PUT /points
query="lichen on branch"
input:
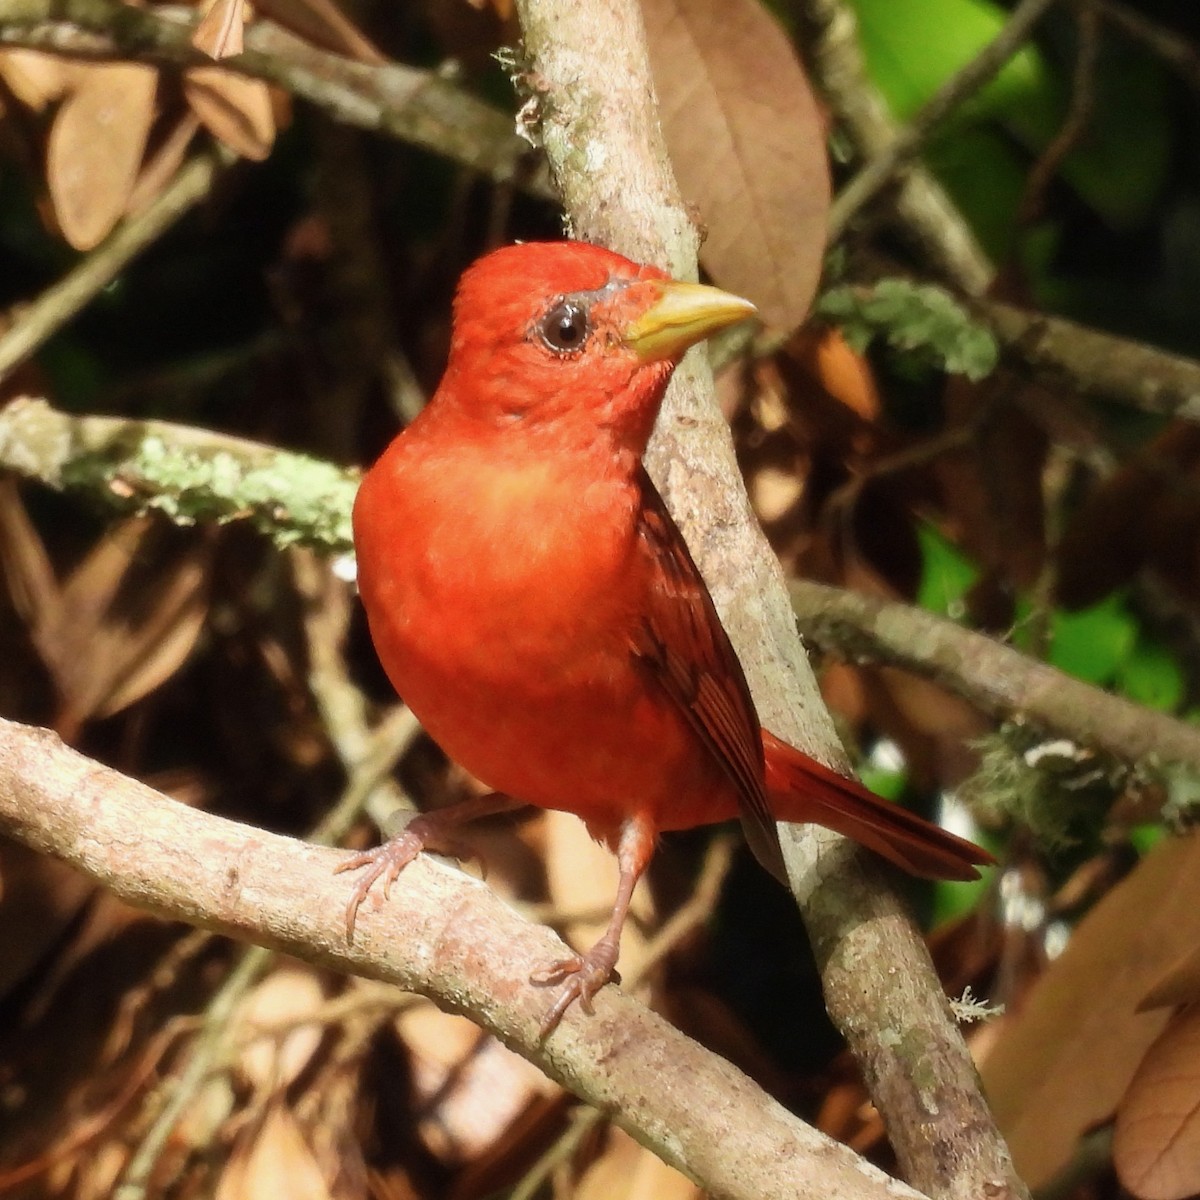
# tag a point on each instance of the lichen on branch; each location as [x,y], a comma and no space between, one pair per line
[190,475]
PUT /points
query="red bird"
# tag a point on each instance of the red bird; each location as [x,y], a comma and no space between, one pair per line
[532,600]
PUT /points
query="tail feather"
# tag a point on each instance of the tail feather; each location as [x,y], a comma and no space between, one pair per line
[804,790]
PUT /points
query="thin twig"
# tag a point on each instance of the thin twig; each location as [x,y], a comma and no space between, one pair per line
[908,143]
[926,214]
[1075,123]
[34,324]
[420,107]
[1177,51]
[207,1048]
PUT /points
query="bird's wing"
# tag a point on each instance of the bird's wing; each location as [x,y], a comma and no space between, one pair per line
[684,647]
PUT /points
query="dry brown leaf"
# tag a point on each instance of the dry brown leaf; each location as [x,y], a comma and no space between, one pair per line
[24,562]
[1156,1144]
[36,79]
[1143,514]
[1064,1060]
[840,371]
[627,1171]
[324,24]
[219,34]
[1179,985]
[39,898]
[273,1159]
[234,109]
[121,624]
[96,147]
[993,490]
[163,163]
[748,144]
[469,1088]
[123,634]
[279,1007]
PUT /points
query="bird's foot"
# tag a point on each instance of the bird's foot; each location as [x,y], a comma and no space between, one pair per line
[581,976]
[381,862]
[424,832]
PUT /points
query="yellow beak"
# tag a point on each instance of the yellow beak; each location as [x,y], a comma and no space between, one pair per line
[683,314]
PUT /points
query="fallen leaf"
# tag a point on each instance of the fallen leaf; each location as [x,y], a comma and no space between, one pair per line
[822,353]
[36,79]
[1064,1060]
[279,1007]
[234,109]
[96,147]
[627,1171]
[1180,984]
[1156,1143]
[219,34]
[748,144]
[468,1087]
[323,24]
[992,488]
[121,624]
[273,1159]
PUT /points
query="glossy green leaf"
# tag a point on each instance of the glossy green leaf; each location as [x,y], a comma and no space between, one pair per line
[1151,676]
[946,574]
[1094,643]
[913,46]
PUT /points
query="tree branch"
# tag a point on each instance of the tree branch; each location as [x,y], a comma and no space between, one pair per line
[442,935]
[589,71]
[1101,365]
[909,140]
[1000,681]
[926,213]
[37,322]
[189,474]
[416,106]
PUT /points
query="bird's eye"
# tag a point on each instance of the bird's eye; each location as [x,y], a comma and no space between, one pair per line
[565,327]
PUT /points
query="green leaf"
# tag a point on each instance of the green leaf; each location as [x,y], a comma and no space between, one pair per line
[1151,676]
[1094,643]
[946,574]
[1119,166]
[913,46]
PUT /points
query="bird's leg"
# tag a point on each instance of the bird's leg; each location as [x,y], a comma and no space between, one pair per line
[583,975]
[434,830]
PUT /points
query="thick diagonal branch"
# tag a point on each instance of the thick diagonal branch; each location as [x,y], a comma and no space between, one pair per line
[442,935]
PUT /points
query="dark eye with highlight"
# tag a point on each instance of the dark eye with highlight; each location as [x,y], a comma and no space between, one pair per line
[565,327]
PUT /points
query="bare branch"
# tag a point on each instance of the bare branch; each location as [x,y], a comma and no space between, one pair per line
[926,213]
[413,105]
[442,935]
[1101,365]
[33,324]
[1001,681]
[909,141]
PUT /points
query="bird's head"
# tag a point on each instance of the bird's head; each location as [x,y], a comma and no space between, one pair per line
[571,336]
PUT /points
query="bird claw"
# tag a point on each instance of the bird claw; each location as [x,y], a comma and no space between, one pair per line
[581,976]
[382,862]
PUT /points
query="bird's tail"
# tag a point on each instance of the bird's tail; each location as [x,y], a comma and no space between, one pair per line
[802,789]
